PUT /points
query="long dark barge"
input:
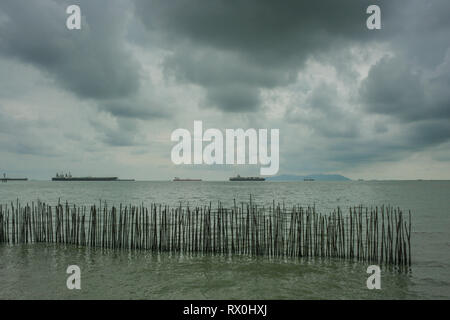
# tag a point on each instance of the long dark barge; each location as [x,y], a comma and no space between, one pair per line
[239,178]
[85,179]
[68,177]
[13,179]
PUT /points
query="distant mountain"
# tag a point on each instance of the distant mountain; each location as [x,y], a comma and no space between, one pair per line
[316,177]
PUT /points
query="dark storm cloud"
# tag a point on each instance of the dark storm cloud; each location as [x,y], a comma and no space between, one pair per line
[322,112]
[133,108]
[407,88]
[420,103]
[419,30]
[428,133]
[268,31]
[400,89]
[18,136]
[234,97]
[123,133]
[411,88]
[262,44]
[231,82]
[392,87]
[414,137]
[91,62]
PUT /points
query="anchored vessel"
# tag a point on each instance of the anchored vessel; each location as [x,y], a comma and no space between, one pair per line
[68,177]
[179,179]
[239,178]
[6,179]
[15,179]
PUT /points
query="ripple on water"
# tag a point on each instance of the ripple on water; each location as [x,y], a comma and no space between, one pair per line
[38,272]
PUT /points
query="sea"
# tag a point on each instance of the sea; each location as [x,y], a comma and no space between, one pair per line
[38,271]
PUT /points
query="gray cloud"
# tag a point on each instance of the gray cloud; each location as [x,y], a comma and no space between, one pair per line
[91,62]
[18,136]
[134,108]
[411,96]
[428,133]
[341,95]
[261,44]
[261,30]
[322,111]
[123,132]
[395,87]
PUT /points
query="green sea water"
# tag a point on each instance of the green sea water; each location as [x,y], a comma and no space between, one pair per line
[38,271]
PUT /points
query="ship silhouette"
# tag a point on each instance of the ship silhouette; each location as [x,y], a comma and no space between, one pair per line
[239,178]
[68,177]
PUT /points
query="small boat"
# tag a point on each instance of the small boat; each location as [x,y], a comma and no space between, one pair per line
[179,179]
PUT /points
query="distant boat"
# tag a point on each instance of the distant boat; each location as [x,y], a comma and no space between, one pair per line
[308,179]
[179,179]
[13,179]
[5,179]
[85,179]
[239,178]
[68,177]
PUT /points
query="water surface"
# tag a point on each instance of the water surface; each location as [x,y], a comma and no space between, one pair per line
[37,271]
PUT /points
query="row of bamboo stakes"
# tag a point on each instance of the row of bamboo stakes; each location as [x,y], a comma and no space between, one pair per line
[381,235]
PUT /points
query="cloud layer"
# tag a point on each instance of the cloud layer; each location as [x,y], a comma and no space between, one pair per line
[345,98]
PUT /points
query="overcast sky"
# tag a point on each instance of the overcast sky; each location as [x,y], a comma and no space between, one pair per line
[104,100]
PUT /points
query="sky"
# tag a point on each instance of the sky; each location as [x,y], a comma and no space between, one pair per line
[104,100]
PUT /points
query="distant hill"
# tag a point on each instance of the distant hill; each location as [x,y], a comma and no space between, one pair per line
[316,177]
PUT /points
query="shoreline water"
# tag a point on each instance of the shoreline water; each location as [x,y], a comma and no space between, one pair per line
[137,274]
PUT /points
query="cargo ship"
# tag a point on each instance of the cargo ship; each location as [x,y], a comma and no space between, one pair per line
[179,179]
[239,178]
[68,177]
